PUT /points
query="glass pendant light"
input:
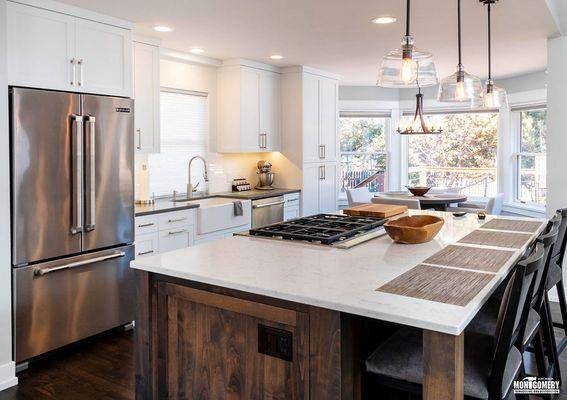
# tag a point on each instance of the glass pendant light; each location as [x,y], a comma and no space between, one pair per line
[417,125]
[460,87]
[400,67]
[494,96]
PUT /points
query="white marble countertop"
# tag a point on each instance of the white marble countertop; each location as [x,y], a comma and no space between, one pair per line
[338,279]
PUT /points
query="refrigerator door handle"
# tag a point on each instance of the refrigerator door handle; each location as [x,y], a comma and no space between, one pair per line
[90,169]
[45,271]
[77,174]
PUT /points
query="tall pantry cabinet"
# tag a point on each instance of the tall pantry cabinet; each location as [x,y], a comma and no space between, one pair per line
[310,135]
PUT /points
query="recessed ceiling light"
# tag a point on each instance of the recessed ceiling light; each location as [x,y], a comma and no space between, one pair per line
[276,57]
[383,20]
[196,50]
[162,28]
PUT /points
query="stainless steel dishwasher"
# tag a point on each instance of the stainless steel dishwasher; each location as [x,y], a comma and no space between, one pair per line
[267,211]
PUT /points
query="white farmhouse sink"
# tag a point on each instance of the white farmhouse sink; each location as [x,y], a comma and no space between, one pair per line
[217,214]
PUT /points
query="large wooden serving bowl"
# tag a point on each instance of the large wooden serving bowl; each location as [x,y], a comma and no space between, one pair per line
[414,229]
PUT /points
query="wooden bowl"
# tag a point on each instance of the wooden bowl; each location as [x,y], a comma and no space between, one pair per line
[418,190]
[414,229]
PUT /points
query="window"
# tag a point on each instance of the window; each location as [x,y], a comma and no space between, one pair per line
[184,133]
[463,156]
[531,157]
[363,152]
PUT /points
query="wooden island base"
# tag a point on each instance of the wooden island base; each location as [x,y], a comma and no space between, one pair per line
[196,341]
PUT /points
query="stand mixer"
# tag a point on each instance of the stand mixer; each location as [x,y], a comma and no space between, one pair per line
[265,176]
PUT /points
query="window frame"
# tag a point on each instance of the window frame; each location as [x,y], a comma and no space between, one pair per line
[516,130]
[387,116]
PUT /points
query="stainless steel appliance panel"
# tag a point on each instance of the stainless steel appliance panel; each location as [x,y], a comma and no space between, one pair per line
[267,211]
[46,158]
[109,171]
[59,302]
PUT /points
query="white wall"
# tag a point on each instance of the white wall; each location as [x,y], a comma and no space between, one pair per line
[7,368]
[187,75]
[556,130]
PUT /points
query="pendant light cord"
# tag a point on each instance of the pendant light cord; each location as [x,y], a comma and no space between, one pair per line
[408,18]
[459,30]
[489,44]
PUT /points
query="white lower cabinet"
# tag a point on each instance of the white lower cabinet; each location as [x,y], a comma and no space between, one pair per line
[291,206]
[146,244]
[320,188]
[175,238]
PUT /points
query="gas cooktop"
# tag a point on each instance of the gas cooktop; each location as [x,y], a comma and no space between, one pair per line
[321,228]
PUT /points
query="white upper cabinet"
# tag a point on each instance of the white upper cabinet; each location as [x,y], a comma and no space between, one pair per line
[249,110]
[146,97]
[320,118]
[52,50]
[41,48]
[104,55]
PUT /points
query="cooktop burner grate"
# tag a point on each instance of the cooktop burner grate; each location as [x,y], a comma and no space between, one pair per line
[323,228]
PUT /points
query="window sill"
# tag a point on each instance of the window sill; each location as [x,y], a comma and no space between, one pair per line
[525,209]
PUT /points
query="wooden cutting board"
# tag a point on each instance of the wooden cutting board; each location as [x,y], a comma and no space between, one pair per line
[376,210]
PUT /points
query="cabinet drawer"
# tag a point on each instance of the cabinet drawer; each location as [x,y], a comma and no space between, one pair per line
[175,219]
[146,244]
[146,224]
[175,238]
[291,199]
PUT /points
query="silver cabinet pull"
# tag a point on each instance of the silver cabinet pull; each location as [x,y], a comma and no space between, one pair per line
[265,140]
[90,165]
[321,156]
[143,253]
[77,174]
[80,64]
[260,140]
[145,225]
[139,132]
[73,71]
[45,271]
[324,172]
[292,200]
[324,151]
[177,220]
[275,203]
[177,232]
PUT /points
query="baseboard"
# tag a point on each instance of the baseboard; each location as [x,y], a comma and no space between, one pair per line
[8,375]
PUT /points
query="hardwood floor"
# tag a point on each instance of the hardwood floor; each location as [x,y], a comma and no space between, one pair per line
[99,368]
[102,368]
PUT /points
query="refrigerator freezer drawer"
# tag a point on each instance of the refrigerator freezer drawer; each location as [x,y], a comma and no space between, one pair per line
[60,302]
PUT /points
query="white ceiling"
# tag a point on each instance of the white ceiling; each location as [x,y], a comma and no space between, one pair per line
[336,35]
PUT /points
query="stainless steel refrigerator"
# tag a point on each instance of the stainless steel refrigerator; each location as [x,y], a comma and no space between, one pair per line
[72,169]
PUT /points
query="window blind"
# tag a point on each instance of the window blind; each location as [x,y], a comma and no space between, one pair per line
[184,133]
[366,114]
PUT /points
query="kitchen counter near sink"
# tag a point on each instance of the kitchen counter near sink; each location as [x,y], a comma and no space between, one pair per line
[167,205]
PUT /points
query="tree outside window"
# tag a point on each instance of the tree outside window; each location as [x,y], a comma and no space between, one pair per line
[531,163]
[463,156]
[363,152]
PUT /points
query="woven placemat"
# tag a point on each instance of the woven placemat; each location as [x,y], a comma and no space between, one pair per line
[497,238]
[475,258]
[513,225]
[443,285]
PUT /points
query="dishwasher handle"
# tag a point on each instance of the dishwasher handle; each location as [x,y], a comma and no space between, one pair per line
[275,203]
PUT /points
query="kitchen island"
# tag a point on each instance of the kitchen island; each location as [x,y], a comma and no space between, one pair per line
[249,317]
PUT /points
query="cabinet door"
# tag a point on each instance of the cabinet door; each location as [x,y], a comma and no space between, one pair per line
[146,244]
[311,151]
[270,106]
[105,58]
[146,96]
[220,347]
[40,48]
[328,189]
[291,213]
[250,110]
[310,189]
[328,114]
[173,239]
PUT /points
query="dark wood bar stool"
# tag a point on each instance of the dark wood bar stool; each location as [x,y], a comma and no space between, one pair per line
[555,277]
[492,363]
